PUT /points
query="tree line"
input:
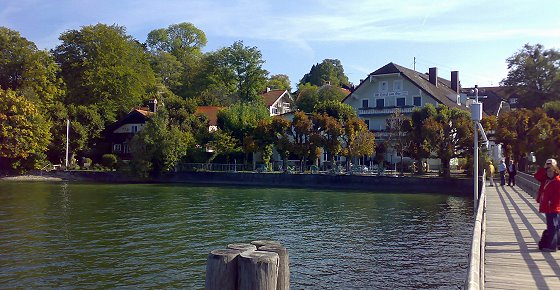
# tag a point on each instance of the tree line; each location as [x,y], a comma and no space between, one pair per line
[98,73]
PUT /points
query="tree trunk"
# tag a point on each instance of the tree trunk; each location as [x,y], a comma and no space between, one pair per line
[445,167]
[402,165]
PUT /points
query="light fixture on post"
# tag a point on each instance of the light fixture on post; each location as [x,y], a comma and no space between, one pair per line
[476,116]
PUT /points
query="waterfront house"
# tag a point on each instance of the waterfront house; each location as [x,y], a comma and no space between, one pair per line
[394,87]
[119,134]
[278,102]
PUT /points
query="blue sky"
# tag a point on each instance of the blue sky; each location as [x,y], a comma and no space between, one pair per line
[472,36]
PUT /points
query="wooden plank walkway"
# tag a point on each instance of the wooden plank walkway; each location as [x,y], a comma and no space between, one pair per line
[513,229]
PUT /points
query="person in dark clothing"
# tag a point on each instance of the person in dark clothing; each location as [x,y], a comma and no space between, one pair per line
[512,171]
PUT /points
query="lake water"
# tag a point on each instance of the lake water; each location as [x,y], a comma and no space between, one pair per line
[70,235]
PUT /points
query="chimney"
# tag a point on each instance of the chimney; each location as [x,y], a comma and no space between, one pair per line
[433,75]
[455,81]
[267,89]
[153,105]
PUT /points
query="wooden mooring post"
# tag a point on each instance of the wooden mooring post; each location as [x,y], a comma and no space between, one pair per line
[262,264]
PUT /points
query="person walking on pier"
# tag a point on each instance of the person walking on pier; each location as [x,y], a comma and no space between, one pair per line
[491,171]
[512,171]
[502,171]
[549,200]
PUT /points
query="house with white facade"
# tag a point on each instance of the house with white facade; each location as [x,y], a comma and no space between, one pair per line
[278,101]
[393,87]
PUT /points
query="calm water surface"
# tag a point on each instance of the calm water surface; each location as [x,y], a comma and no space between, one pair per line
[55,235]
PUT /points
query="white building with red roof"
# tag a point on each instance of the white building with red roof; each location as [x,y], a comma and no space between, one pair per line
[278,101]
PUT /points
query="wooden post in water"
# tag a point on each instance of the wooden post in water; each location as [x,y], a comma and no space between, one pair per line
[242,247]
[283,282]
[257,270]
[221,269]
[261,243]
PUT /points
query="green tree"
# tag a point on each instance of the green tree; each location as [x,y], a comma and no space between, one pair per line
[545,138]
[300,132]
[222,143]
[279,82]
[24,132]
[552,109]
[336,109]
[240,119]
[357,140]
[307,97]
[513,132]
[176,56]
[233,73]
[534,73]
[105,68]
[86,125]
[32,73]
[159,146]
[398,128]
[28,71]
[330,131]
[281,130]
[329,71]
[380,150]
[183,40]
[330,93]
[449,134]
[419,147]
[264,137]
[169,71]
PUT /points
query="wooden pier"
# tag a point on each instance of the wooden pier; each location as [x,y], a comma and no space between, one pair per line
[514,225]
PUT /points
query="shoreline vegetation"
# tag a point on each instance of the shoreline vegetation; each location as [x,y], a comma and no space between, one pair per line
[398,184]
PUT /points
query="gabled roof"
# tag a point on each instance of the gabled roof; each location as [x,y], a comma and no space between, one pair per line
[139,115]
[272,96]
[491,98]
[211,112]
[421,80]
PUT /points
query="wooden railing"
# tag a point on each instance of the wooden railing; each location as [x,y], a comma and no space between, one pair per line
[528,183]
[475,274]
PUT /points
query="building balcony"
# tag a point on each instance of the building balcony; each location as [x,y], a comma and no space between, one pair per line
[384,110]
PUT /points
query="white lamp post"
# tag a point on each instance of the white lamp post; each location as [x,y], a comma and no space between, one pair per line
[476,116]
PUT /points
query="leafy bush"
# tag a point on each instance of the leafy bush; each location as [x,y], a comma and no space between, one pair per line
[109,160]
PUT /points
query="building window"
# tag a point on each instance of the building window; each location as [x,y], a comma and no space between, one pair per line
[126,148]
[365,103]
[383,86]
[134,128]
[274,110]
[418,101]
[380,103]
[367,123]
[397,85]
[401,102]
[117,148]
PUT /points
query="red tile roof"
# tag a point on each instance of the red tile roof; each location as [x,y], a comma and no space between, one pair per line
[271,97]
[211,112]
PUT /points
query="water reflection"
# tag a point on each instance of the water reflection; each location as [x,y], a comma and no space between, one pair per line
[98,236]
